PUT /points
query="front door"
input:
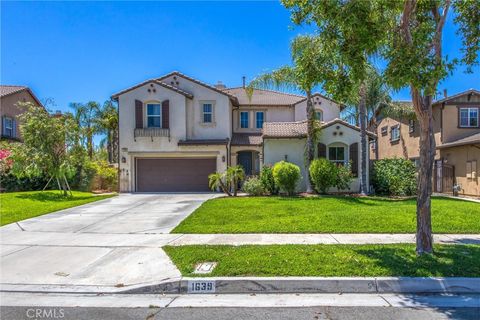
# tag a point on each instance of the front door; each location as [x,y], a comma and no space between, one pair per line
[245,160]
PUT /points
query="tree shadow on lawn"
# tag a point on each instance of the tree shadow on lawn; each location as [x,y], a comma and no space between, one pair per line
[346,199]
[447,260]
[49,196]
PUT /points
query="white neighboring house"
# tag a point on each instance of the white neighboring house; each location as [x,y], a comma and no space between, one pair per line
[176,130]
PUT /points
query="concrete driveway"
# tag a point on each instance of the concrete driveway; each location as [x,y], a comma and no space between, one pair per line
[100,246]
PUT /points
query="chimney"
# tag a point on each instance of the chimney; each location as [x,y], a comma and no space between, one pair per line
[445,93]
[220,85]
[243,81]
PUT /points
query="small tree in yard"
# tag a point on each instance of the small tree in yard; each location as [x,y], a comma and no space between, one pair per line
[46,142]
[228,180]
[408,35]
[304,75]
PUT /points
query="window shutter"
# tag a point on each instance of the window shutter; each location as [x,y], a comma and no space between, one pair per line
[354,158]
[14,128]
[166,114]
[138,114]
[322,150]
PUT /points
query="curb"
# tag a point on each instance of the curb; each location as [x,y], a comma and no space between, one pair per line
[242,285]
[271,285]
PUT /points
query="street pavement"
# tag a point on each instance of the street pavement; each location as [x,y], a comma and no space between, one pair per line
[238,306]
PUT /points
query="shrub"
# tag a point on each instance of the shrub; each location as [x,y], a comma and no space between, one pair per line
[323,174]
[286,176]
[394,177]
[105,176]
[267,180]
[344,177]
[253,186]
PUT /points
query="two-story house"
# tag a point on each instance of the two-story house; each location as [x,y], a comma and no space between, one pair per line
[175,130]
[456,130]
[10,96]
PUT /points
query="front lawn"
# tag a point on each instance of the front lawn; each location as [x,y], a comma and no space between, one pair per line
[17,206]
[327,214]
[329,260]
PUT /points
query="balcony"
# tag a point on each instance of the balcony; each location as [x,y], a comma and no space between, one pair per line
[151,132]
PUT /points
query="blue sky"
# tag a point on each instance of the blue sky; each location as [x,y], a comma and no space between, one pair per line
[82,51]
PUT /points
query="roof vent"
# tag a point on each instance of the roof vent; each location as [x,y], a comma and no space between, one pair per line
[220,85]
[445,93]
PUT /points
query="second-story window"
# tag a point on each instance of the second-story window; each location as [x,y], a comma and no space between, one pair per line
[244,119]
[395,133]
[207,109]
[154,115]
[318,115]
[468,117]
[259,119]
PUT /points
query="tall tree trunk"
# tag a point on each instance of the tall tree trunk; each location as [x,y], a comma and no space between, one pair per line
[90,144]
[109,146]
[363,139]
[115,145]
[310,152]
[423,109]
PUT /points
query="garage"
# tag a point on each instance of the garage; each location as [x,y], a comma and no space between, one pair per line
[173,174]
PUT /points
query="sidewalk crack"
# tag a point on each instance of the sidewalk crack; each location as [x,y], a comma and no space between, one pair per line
[389,304]
[331,235]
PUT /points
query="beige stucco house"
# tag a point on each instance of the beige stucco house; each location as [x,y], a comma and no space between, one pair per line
[456,129]
[10,96]
[176,130]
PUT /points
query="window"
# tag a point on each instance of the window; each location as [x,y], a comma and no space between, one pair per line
[8,127]
[468,117]
[395,133]
[411,126]
[336,155]
[154,116]
[374,145]
[244,119]
[259,119]
[207,109]
[319,115]
[471,169]
[384,130]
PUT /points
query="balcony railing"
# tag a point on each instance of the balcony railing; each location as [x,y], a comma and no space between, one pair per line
[151,132]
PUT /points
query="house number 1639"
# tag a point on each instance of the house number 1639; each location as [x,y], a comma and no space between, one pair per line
[201,286]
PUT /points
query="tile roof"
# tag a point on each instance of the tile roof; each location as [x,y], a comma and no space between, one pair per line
[5,90]
[469,91]
[178,90]
[264,97]
[298,129]
[179,74]
[247,139]
[473,139]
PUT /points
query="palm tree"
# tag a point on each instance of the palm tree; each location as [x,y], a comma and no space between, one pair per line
[235,175]
[84,116]
[216,181]
[304,75]
[106,122]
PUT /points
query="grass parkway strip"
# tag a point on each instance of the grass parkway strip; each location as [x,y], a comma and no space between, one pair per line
[327,214]
[17,206]
[329,260]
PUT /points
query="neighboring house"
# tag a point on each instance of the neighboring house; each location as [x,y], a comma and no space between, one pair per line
[9,110]
[456,129]
[175,130]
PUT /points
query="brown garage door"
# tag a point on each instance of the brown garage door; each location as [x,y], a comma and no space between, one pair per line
[173,174]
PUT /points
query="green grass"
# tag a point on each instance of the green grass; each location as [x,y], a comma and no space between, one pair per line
[329,260]
[17,206]
[327,214]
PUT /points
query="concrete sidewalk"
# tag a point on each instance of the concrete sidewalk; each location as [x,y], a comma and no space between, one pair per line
[12,240]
